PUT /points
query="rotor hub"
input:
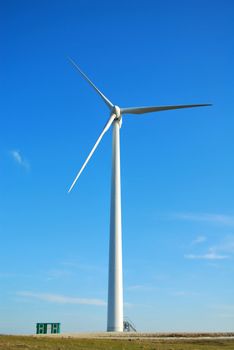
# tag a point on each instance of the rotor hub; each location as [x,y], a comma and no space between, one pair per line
[116,111]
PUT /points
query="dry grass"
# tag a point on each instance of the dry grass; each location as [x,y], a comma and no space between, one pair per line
[60,343]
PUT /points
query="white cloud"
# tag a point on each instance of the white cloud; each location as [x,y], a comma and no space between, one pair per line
[223,219]
[61,299]
[179,293]
[221,251]
[183,293]
[206,256]
[76,265]
[139,287]
[19,159]
[58,274]
[199,239]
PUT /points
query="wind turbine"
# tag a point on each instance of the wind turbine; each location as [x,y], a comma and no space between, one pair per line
[115,282]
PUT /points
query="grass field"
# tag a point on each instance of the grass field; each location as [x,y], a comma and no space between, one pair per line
[44,343]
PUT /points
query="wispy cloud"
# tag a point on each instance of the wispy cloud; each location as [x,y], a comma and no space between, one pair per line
[19,159]
[222,219]
[139,287]
[59,274]
[206,256]
[221,251]
[199,240]
[77,265]
[184,293]
[61,299]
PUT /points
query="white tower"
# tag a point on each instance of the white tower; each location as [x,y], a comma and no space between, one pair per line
[115,282]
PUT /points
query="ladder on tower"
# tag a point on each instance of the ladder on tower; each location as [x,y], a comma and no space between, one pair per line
[128,325]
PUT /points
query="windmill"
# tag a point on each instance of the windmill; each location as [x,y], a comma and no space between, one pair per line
[115,281]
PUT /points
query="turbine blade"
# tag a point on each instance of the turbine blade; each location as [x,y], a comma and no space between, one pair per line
[106,127]
[105,99]
[142,110]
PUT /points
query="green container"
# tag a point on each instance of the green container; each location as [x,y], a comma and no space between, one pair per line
[48,328]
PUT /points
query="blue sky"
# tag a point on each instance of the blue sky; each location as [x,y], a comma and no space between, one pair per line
[177,166]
